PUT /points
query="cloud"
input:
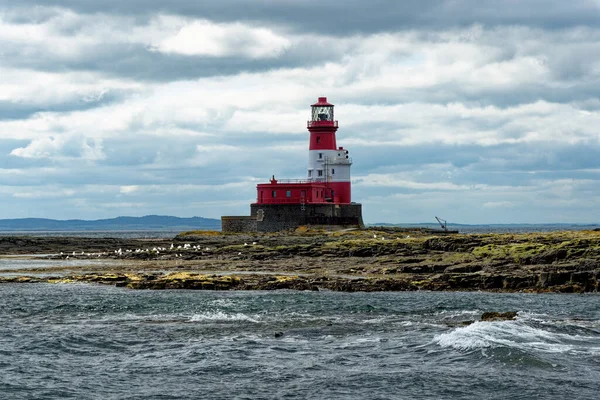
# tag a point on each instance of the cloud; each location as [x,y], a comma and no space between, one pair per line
[62,147]
[220,40]
[497,204]
[43,194]
[129,189]
[331,17]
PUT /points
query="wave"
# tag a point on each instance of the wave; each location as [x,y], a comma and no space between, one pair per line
[220,316]
[514,334]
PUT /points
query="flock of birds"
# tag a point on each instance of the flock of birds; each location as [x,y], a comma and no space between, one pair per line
[155,250]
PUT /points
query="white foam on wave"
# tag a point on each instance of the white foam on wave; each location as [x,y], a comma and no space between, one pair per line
[376,321]
[550,320]
[512,334]
[222,303]
[532,316]
[457,313]
[217,316]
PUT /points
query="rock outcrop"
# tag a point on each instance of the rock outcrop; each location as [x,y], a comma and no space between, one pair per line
[360,260]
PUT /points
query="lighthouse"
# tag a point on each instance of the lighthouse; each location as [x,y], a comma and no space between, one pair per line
[326,161]
[321,198]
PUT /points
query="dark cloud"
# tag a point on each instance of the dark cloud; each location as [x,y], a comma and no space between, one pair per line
[505,158]
[139,62]
[24,109]
[352,16]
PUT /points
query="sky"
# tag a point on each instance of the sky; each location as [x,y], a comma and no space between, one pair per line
[476,111]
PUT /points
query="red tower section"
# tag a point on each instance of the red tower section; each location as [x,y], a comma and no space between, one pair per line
[328,175]
[322,126]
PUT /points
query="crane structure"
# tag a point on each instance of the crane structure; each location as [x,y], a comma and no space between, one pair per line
[442,223]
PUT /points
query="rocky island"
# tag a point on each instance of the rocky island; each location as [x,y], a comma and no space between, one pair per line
[381,259]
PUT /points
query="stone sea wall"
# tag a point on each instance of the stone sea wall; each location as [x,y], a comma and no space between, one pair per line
[284,217]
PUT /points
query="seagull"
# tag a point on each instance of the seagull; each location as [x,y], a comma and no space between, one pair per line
[240,253]
[245,244]
[374,236]
[253,243]
[171,248]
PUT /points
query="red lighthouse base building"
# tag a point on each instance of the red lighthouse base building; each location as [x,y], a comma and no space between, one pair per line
[322,198]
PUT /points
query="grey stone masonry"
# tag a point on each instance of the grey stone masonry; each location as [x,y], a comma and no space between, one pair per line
[279,217]
[238,224]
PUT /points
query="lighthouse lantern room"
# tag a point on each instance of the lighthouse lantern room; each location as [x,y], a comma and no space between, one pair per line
[322,197]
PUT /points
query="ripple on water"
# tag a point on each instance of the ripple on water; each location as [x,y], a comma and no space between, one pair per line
[220,316]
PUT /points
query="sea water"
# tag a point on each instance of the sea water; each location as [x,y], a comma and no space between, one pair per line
[101,342]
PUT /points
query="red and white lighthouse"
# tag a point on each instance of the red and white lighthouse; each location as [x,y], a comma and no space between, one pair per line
[328,176]
[322,198]
[326,161]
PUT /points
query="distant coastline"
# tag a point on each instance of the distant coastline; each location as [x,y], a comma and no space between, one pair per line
[145,223]
[163,223]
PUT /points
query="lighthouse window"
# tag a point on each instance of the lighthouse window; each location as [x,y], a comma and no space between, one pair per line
[332,171]
[320,156]
[320,172]
[288,193]
[274,193]
[323,113]
[309,173]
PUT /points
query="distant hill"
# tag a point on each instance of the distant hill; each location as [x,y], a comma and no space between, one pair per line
[148,222]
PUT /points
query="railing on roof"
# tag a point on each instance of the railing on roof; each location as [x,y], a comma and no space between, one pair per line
[336,160]
[316,180]
[311,124]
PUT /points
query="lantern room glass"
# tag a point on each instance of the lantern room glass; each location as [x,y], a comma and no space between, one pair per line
[322,113]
